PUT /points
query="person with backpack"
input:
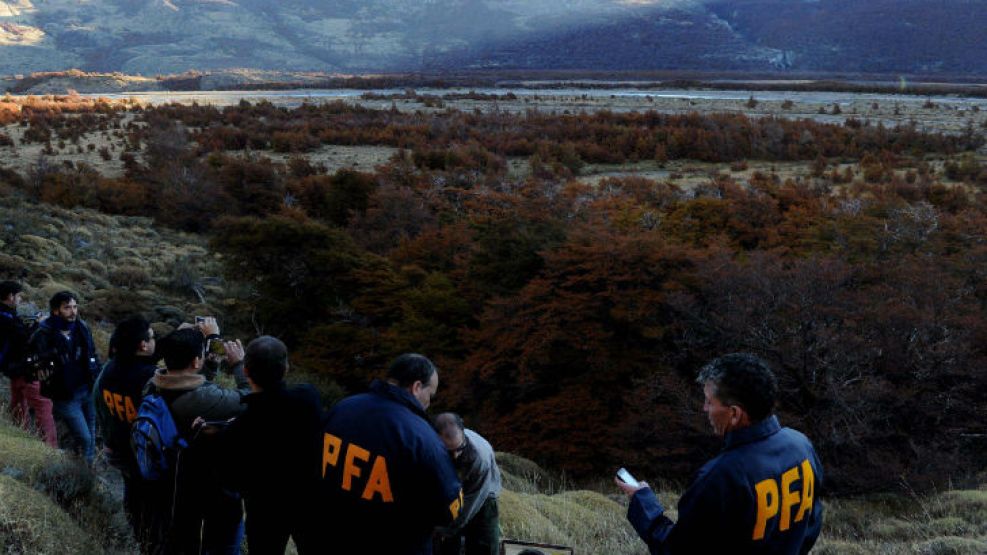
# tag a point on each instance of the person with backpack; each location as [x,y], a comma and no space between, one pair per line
[63,341]
[117,396]
[195,512]
[25,391]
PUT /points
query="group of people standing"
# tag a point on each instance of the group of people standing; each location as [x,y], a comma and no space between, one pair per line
[30,356]
[375,474]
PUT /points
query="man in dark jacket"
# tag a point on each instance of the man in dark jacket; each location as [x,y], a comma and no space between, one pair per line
[201,514]
[759,495]
[25,391]
[64,340]
[387,480]
[271,451]
[118,392]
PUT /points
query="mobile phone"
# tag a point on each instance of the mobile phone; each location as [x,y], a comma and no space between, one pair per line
[216,346]
[626,478]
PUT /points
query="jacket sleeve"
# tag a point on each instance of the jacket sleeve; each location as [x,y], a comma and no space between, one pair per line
[242,384]
[15,336]
[702,506]
[447,492]
[103,416]
[816,517]
[647,516]
[93,362]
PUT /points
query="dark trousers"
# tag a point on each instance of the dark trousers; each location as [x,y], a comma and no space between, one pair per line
[195,515]
[211,522]
[270,522]
[138,499]
[481,535]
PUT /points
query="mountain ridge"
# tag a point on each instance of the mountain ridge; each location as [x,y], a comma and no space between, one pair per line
[780,36]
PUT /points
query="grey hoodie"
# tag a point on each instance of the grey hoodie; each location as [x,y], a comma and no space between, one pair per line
[201,398]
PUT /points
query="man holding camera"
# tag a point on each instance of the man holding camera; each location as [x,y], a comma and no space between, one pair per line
[199,514]
[25,391]
[64,346]
[759,495]
[269,451]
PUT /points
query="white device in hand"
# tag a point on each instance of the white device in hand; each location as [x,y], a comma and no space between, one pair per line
[626,477]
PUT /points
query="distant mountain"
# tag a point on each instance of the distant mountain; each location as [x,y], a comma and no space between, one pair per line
[170,36]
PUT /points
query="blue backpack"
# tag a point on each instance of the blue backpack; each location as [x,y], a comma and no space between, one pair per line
[155,438]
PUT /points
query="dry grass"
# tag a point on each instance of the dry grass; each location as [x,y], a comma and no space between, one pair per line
[31,523]
[534,507]
[48,506]
[117,265]
[954,522]
[50,503]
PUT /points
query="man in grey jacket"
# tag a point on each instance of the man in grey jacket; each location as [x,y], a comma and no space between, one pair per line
[202,514]
[478,525]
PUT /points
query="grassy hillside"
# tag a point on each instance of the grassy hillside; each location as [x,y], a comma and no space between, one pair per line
[50,505]
[117,265]
[537,507]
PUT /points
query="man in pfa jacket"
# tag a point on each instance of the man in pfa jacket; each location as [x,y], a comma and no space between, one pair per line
[759,495]
[387,480]
[117,396]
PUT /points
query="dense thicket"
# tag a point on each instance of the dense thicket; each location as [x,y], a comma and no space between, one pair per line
[569,320]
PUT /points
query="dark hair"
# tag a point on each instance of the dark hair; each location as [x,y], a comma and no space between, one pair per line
[410,368]
[266,360]
[8,288]
[127,337]
[181,347]
[742,379]
[454,419]
[60,298]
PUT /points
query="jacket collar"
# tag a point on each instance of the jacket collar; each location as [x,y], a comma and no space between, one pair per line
[752,433]
[180,381]
[398,395]
[259,396]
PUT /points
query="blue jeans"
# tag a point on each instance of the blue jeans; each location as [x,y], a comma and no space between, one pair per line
[80,416]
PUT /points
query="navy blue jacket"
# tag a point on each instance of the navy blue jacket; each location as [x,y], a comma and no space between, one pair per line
[14,335]
[117,396]
[759,495]
[75,359]
[387,480]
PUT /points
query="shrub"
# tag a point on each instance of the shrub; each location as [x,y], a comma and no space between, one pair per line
[31,523]
[951,545]
[129,276]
